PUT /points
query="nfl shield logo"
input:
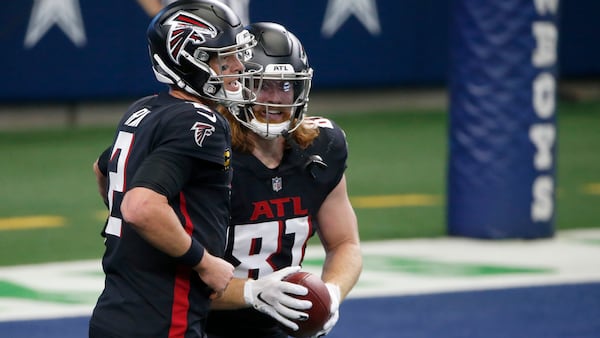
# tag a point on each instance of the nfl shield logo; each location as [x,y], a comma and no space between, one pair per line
[276,183]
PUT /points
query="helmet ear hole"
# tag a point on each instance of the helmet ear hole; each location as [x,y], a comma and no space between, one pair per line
[201,55]
[210,89]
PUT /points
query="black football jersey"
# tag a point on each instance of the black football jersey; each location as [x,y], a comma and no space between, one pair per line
[147,294]
[274,215]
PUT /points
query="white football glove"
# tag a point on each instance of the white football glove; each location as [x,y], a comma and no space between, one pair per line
[271,295]
[334,294]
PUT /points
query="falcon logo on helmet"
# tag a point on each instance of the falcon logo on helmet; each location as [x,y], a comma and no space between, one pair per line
[186,28]
[201,132]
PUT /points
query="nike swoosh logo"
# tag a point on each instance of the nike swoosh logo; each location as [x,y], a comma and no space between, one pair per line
[211,117]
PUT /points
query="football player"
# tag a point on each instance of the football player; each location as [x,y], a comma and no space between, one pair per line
[288,184]
[166,179]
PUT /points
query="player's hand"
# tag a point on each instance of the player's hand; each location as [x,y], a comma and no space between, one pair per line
[271,295]
[216,273]
[334,294]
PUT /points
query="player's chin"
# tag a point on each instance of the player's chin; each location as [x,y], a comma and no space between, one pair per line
[231,85]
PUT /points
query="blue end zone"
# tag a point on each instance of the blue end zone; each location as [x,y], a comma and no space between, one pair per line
[548,311]
[76,327]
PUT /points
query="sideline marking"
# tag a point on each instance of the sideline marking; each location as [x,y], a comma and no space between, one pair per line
[391,201]
[437,268]
[592,188]
[363,202]
[366,202]
[101,215]
[391,268]
[31,222]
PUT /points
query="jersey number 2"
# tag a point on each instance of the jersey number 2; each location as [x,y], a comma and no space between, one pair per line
[116,180]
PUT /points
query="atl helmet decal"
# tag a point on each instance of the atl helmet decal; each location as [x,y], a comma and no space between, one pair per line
[186,28]
[201,132]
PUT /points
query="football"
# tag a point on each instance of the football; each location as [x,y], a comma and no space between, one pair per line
[318,294]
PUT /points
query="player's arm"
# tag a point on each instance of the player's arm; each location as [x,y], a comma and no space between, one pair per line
[338,231]
[233,297]
[100,181]
[146,207]
[100,168]
[155,220]
[242,293]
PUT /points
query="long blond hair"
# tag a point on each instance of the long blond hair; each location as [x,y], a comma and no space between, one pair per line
[241,141]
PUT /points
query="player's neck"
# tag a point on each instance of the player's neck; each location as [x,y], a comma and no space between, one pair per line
[269,152]
[183,95]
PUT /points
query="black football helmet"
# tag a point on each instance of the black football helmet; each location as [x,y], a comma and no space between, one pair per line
[285,66]
[186,34]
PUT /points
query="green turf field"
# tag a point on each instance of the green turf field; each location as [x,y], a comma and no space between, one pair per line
[50,210]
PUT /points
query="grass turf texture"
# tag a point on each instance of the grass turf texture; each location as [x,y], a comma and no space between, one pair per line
[48,172]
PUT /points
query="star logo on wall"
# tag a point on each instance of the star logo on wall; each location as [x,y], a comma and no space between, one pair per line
[66,14]
[338,11]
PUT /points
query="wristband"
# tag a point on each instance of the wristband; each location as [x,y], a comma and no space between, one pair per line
[194,254]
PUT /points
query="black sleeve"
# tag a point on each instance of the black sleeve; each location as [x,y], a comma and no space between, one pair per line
[332,146]
[103,161]
[164,172]
[190,133]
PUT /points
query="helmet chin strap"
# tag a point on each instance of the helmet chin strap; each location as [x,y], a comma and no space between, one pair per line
[269,131]
[173,79]
[231,96]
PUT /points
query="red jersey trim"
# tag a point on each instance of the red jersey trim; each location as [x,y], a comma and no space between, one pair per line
[181,303]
